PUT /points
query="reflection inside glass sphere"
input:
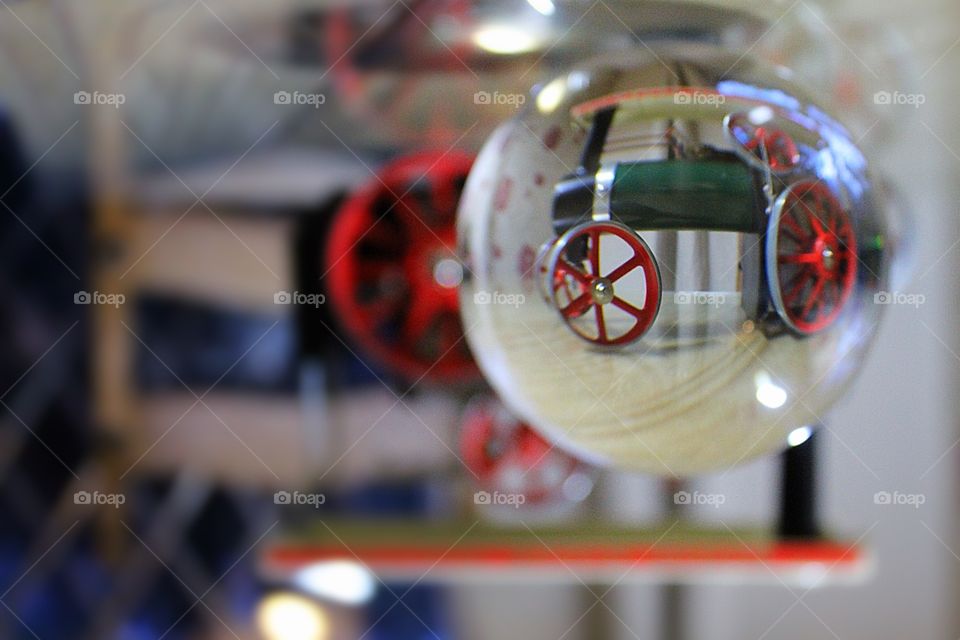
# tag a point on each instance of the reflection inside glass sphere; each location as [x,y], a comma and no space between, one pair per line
[708,244]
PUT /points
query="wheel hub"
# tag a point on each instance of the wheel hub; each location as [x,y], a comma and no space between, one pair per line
[829,259]
[602,291]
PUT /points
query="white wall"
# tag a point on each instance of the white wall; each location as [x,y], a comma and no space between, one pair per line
[901,418]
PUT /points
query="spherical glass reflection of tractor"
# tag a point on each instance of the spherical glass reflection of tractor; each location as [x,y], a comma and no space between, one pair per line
[758,183]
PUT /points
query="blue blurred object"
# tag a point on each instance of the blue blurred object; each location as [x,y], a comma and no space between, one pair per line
[197,341]
[419,615]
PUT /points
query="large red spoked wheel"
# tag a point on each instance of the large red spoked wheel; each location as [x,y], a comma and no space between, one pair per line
[508,456]
[392,271]
[811,257]
[764,143]
[605,308]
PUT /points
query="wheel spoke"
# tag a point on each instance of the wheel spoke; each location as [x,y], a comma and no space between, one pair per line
[800,258]
[578,307]
[790,298]
[623,305]
[601,325]
[833,224]
[569,289]
[800,273]
[800,240]
[790,224]
[813,297]
[625,268]
[567,267]
[816,224]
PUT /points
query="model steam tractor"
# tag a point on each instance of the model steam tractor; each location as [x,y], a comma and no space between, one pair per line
[799,273]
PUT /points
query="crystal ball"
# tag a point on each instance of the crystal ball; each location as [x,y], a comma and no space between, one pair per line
[674,259]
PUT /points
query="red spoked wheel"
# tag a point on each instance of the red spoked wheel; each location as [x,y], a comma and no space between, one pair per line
[764,143]
[508,456]
[811,257]
[392,272]
[608,308]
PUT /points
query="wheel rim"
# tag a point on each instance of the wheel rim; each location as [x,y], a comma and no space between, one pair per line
[758,142]
[811,256]
[586,297]
[391,268]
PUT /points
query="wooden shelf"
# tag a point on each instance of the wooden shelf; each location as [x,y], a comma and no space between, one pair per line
[599,553]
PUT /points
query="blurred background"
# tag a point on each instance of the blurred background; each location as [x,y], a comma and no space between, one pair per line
[204,435]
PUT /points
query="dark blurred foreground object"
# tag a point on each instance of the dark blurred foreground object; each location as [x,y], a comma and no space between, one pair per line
[14,184]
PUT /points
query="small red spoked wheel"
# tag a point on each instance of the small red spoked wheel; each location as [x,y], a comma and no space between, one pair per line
[392,271]
[506,455]
[763,142]
[554,284]
[811,254]
[608,308]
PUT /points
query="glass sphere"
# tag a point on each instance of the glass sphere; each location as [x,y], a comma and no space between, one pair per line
[674,259]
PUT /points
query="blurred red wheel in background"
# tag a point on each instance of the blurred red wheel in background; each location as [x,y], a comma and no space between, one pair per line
[764,143]
[508,456]
[392,272]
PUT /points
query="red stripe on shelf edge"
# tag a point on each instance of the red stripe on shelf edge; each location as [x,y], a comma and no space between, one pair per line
[784,553]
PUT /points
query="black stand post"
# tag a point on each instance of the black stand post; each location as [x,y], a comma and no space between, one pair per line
[798,487]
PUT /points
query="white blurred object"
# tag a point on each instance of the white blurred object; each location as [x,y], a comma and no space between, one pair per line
[287,616]
[340,581]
